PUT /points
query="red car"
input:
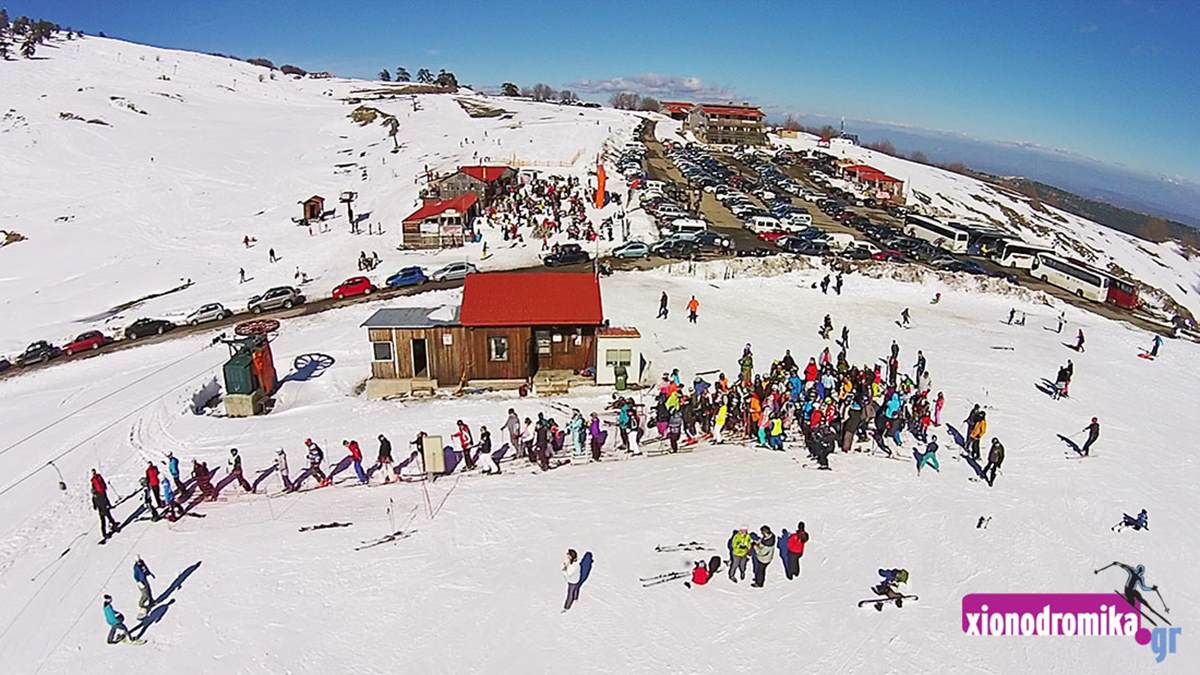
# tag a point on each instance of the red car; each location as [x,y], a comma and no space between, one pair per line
[887,255]
[772,236]
[352,287]
[93,339]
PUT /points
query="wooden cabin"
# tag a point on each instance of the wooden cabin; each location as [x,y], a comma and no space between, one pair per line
[314,206]
[440,224]
[510,327]
[484,181]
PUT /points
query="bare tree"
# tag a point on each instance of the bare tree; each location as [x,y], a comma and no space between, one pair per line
[883,145]
[919,157]
[542,92]
[791,123]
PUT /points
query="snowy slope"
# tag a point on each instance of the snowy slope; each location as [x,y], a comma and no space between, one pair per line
[1164,266]
[197,152]
[477,587]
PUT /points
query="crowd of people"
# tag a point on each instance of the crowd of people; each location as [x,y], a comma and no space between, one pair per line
[547,205]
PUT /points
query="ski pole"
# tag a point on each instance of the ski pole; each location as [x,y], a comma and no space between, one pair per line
[1160,599]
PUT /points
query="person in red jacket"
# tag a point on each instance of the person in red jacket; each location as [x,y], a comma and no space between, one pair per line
[810,372]
[795,551]
[465,442]
[108,526]
[152,479]
[356,457]
[700,575]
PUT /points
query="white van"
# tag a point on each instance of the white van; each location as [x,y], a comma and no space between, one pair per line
[760,224]
[799,219]
[654,185]
[688,228]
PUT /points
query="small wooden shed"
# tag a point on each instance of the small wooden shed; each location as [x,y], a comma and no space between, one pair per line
[314,206]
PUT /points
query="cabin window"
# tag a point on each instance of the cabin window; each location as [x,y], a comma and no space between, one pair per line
[612,357]
[382,351]
[498,348]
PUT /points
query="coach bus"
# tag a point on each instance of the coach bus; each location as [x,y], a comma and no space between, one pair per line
[1018,254]
[1071,276]
[939,234]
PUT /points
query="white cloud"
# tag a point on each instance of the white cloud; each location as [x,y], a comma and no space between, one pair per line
[663,87]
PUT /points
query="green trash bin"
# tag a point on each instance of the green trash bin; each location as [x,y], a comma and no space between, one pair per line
[621,373]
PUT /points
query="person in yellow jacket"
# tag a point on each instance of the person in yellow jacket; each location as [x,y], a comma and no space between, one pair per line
[719,422]
[776,442]
[739,553]
[976,434]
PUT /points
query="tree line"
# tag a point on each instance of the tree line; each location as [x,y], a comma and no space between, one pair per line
[23,35]
[444,78]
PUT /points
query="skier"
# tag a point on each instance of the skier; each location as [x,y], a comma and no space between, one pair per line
[173,469]
[904,317]
[142,576]
[764,553]
[100,502]
[485,452]
[929,456]
[1093,430]
[464,443]
[719,421]
[994,461]
[203,478]
[235,470]
[571,572]
[152,479]
[513,426]
[1158,341]
[739,550]
[920,365]
[700,575]
[596,435]
[356,459]
[976,434]
[692,307]
[892,580]
[384,460]
[170,504]
[662,306]
[1061,321]
[825,285]
[575,427]
[1136,579]
[1012,313]
[937,409]
[837,284]
[315,457]
[1079,341]
[1142,522]
[148,498]
[117,632]
[241,275]
[271,255]
[795,550]
[282,467]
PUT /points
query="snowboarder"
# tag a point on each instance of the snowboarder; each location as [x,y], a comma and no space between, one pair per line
[1093,430]
[117,632]
[315,456]
[692,307]
[1079,341]
[795,550]
[1158,341]
[892,580]
[282,467]
[662,306]
[994,461]
[1135,581]
[764,553]
[384,459]
[929,456]
[103,506]
[1141,522]
[356,459]
[739,550]
[152,479]
[571,572]
[235,470]
[142,576]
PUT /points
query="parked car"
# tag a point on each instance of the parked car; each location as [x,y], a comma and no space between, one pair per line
[632,249]
[38,352]
[454,272]
[676,248]
[93,339]
[143,327]
[711,240]
[280,297]
[888,255]
[408,276]
[802,246]
[213,311]
[352,287]
[968,266]
[566,254]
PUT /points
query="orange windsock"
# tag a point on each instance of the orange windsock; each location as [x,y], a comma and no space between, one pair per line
[599,185]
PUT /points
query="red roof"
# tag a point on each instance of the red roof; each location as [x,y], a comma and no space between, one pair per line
[676,106]
[484,173]
[531,299]
[732,110]
[460,203]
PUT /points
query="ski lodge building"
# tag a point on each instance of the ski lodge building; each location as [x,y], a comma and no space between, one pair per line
[512,327]
[440,223]
[486,182]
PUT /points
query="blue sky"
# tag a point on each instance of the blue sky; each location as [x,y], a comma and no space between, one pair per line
[1116,81]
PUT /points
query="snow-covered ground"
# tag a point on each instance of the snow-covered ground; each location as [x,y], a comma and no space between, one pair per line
[1165,266]
[197,152]
[477,587]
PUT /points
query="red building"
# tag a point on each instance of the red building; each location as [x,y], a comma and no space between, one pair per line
[440,224]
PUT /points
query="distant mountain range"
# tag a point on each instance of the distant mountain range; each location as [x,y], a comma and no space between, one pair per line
[1173,199]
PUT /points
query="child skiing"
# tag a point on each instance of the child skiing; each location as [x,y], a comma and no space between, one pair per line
[315,457]
[235,470]
[356,459]
[929,456]
[117,632]
[384,460]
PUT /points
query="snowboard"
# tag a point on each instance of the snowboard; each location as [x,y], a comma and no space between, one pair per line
[1145,355]
[879,602]
[130,641]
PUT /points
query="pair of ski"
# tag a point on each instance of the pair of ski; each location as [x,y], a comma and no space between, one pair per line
[323,526]
[683,546]
[881,601]
[396,536]
[663,578]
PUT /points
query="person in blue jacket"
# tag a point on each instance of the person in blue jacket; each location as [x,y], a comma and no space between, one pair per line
[170,507]
[781,544]
[116,622]
[142,576]
[173,469]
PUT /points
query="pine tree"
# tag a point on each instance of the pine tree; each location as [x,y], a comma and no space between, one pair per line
[402,74]
[3,48]
[385,75]
[424,76]
[3,20]
[29,46]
